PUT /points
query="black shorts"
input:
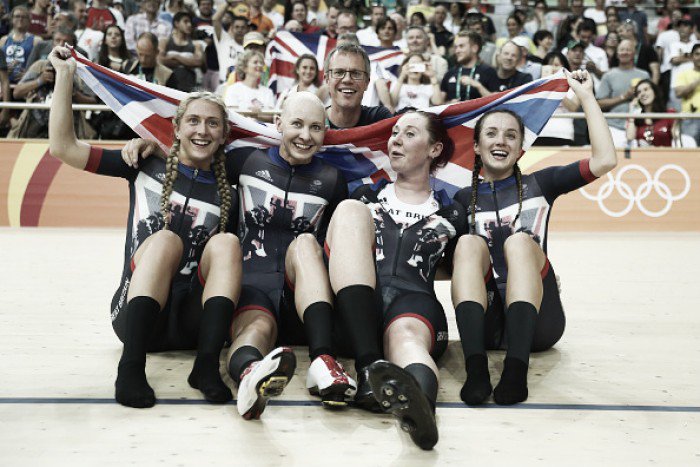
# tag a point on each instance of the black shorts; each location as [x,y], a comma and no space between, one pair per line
[398,303]
[177,326]
[550,319]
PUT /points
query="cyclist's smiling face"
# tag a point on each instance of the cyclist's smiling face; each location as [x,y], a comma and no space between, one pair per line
[500,145]
[201,131]
[347,92]
[303,126]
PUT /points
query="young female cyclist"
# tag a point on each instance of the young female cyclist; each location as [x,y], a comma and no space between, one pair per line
[182,271]
[412,229]
[504,256]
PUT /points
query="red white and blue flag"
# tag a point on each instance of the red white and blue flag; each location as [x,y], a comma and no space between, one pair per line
[360,153]
[287,47]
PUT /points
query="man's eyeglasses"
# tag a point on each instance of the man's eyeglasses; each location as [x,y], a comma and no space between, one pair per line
[339,73]
[20,17]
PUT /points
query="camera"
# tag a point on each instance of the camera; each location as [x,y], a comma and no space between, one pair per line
[417,67]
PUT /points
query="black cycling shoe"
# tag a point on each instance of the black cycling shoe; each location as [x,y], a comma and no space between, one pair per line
[398,393]
[364,398]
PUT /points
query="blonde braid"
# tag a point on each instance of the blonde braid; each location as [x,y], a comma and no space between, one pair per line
[169,182]
[223,187]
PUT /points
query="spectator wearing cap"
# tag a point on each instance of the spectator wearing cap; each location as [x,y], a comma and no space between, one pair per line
[228,42]
[181,54]
[254,41]
[595,60]
[645,56]
[687,88]
[470,79]
[507,74]
[475,12]
[146,21]
[525,65]
[368,35]
[247,93]
[616,89]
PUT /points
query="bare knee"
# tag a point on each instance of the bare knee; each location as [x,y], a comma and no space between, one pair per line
[406,332]
[351,215]
[306,247]
[165,247]
[224,245]
[471,247]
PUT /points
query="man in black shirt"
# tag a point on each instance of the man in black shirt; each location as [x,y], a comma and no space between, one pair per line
[507,75]
[347,77]
[470,79]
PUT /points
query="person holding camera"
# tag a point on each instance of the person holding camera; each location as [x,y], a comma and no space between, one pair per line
[416,85]
[37,86]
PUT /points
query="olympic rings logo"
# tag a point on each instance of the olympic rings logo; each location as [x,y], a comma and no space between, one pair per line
[644,190]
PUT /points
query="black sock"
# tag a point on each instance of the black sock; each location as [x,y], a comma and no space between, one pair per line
[213,329]
[241,359]
[521,319]
[357,307]
[470,322]
[478,387]
[318,324]
[132,388]
[427,380]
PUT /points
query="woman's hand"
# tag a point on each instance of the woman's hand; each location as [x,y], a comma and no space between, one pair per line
[138,147]
[580,81]
[61,60]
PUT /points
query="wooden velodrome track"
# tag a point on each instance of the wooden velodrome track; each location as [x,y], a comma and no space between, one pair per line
[620,388]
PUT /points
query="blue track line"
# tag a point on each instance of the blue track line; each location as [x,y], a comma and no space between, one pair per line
[299,403]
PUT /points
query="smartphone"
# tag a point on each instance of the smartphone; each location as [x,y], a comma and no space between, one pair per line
[417,68]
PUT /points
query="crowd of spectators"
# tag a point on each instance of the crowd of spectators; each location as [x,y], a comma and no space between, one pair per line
[452,52]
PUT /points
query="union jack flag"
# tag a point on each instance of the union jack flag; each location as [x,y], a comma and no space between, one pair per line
[358,152]
[287,47]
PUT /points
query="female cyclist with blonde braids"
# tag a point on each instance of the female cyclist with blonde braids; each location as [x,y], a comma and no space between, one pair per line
[505,254]
[182,269]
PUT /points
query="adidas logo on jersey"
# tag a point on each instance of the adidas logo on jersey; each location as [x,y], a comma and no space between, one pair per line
[264,174]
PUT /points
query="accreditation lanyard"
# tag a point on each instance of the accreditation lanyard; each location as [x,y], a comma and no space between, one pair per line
[458,95]
[636,53]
